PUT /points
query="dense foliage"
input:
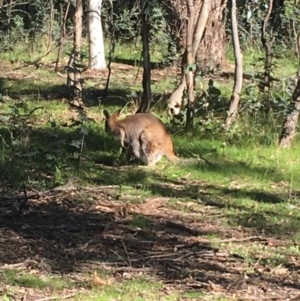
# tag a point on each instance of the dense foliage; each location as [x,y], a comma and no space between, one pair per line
[30,21]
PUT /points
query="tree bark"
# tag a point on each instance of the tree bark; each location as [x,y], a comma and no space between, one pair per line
[63,32]
[267,43]
[211,52]
[146,98]
[290,122]
[190,64]
[96,42]
[208,44]
[74,71]
[291,119]
[201,23]
[238,80]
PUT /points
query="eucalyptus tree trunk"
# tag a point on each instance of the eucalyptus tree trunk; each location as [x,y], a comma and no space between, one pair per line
[290,122]
[96,42]
[291,119]
[189,74]
[238,74]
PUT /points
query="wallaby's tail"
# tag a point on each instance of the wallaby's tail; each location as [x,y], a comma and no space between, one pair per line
[196,161]
[172,157]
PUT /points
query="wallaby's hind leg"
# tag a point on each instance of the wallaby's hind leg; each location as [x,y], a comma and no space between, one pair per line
[136,148]
[128,153]
[149,149]
[154,155]
[144,152]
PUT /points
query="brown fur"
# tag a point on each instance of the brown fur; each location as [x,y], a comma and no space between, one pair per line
[144,133]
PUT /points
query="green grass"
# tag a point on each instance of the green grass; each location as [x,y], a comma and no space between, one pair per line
[137,289]
[16,278]
[252,185]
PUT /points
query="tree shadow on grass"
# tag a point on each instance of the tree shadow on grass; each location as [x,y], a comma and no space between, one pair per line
[23,89]
[49,159]
[233,168]
[52,150]
[20,89]
[265,221]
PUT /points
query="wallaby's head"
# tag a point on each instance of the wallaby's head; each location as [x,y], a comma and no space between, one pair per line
[110,120]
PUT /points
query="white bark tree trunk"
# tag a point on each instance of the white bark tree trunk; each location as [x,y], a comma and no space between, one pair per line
[96,42]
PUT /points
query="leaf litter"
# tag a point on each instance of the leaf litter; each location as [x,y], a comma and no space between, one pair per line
[77,230]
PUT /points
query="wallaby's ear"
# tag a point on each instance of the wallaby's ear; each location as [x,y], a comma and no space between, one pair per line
[117,113]
[106,114]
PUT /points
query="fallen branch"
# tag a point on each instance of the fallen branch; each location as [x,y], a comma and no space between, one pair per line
[63,188]
[206,161]
[257,238]
[130,269]
[19,265]
[277,297]
[35,109]
[58,297]
[182,228]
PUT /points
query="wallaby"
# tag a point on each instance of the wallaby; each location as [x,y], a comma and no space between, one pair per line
[144,133]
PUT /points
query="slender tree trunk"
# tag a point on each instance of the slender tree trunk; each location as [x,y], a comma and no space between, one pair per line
[291,119]
[238,81]
[190,66]
[176,99]
[201,23]
[146,98]
[267,43]
[96,42]
[9,15]
[74,71]
[63,32]
[112,46]
[50,32]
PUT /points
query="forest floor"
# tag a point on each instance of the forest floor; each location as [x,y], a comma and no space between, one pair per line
[226,231]
[143,248]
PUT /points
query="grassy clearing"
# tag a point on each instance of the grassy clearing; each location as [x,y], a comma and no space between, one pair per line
[251,190]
